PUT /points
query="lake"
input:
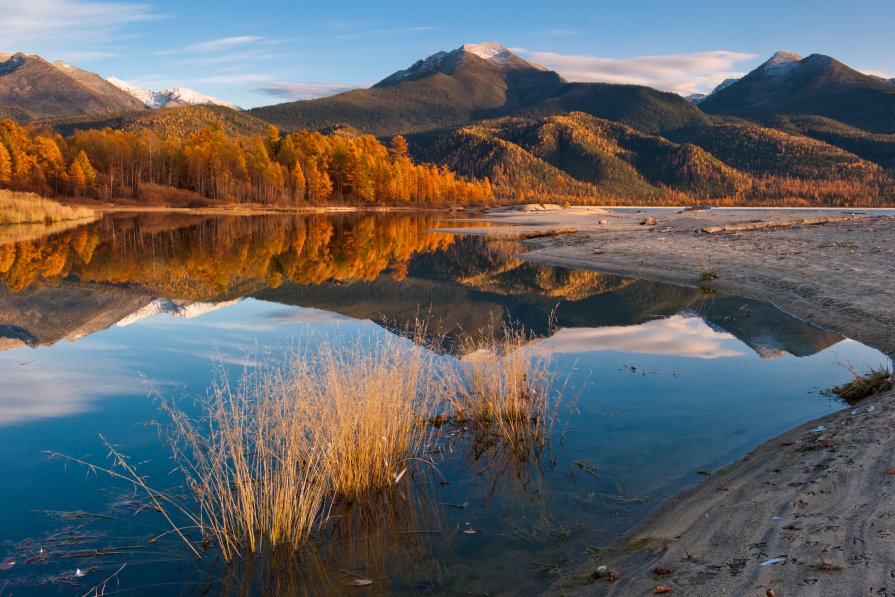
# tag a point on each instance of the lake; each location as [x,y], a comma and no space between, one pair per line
[97,322]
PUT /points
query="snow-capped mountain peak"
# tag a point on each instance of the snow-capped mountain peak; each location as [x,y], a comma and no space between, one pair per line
[144,95]
[491,51]
[781,63]
[488,50]
[177,96]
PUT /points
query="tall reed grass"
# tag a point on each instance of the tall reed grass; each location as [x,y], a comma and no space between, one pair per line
[503,387]
[274,451]
[307,450]
[28,208]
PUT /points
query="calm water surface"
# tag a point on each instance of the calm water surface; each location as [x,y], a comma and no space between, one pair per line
[662,381]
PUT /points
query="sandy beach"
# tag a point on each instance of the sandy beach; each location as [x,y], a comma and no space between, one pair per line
[811,512]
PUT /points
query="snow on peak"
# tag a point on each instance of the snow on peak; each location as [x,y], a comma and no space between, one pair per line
[177,96]
[724,85]
[64,66]
[185,95]
[144,95]
[489,50]
[781,63]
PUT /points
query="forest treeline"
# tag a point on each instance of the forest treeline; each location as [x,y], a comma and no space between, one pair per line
[273,169]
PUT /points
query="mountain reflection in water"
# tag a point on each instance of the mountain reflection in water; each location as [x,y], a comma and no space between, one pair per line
[385,268]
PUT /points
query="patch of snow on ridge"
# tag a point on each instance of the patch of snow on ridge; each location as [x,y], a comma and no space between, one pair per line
[781,63]
[144,95]
[177,96]
[487,50]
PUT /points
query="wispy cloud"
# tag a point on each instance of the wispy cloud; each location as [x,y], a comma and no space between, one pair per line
[224,43]
[216,45]
[60,28]
[349,30]
[878,73]
[295,91]
[681,73]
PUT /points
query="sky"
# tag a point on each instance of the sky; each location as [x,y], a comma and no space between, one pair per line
[271,51]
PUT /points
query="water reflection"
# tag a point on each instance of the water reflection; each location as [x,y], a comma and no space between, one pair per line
[677,335]
[87,314]
[381,268]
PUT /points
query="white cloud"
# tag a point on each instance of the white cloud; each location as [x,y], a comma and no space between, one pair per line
[224,43]
[60,28]
[878,73]
[681,73]
[217,45]
[295,91]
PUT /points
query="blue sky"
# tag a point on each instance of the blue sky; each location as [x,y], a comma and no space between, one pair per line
[263,52]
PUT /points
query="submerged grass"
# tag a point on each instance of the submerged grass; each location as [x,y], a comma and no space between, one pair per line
[28,208]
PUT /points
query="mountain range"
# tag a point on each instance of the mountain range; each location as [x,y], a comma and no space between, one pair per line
[809,128]
[169,98]
[32,88]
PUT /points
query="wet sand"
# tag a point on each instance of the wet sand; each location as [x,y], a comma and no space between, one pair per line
[819,505]
[816,505]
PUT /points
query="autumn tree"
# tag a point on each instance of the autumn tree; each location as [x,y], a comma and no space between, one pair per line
[5,166]
[398,147]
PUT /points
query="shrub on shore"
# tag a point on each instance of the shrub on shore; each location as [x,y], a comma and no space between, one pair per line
[28,208]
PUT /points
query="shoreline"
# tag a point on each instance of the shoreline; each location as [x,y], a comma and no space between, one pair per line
[823,500]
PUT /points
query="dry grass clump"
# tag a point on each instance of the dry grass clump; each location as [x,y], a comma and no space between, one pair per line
[273,453]
[369,403]
[504,386]
[28,208]
[875,381]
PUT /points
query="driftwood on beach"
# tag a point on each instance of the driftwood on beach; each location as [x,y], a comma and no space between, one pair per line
[778,224]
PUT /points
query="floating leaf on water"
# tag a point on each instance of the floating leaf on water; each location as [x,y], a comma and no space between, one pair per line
[662,570]
[360,582]
[7,564]
[586,467]
[661,589]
